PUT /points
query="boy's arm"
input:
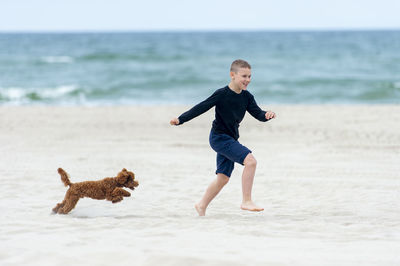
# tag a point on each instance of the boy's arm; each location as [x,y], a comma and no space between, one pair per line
[198,109]
[256,111]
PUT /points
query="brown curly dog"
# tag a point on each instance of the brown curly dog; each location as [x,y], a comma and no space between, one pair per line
[109,188]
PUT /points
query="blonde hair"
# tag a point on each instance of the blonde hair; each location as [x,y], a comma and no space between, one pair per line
[239,63]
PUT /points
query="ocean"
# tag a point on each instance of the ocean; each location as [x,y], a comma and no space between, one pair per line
[333,67]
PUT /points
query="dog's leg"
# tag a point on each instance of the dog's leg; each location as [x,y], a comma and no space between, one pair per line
[125,193]
[70,202]
[118,194]
[61,205]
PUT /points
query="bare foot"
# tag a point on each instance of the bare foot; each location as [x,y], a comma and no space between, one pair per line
[200,210]
[250,206]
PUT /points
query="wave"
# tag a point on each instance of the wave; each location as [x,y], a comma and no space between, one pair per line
[18,95]
[129,57]
[57,59]
[396,85]
[305,91]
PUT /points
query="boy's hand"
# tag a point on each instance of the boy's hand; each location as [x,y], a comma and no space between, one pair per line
[174,122]
[269,115]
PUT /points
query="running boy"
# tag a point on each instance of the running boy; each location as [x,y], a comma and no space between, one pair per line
[231,104]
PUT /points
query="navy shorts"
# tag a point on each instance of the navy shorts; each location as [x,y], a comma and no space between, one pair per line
[228,152]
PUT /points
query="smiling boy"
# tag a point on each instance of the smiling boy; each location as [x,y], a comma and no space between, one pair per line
[231,104]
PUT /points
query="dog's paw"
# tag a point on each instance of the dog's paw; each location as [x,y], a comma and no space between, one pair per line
[117,199]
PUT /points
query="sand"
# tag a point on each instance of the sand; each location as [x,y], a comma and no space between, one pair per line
[327,176]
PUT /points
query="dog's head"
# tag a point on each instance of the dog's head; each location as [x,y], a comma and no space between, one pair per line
[127,179]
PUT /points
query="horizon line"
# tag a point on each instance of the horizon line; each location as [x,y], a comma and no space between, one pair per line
[171,30]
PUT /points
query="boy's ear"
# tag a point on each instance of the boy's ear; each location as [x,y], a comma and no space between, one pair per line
[232,74]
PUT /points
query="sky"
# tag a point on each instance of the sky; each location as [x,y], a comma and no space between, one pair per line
[158,15]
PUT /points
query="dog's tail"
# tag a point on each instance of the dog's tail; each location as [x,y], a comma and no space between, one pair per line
[64,177]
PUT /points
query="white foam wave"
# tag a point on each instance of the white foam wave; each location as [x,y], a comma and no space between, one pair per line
[12,93]
[25,95]
[57,91]
[57,59]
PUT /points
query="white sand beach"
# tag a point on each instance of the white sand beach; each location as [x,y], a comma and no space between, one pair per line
[328,177]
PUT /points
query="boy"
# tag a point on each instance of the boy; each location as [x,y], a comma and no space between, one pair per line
[231,104]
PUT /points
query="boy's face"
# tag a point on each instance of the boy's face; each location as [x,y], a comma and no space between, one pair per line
[241,78]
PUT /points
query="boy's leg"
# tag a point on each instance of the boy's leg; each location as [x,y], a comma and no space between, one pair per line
[233,151]
[249,171]
[213,189]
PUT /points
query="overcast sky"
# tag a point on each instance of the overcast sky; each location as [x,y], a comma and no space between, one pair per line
[126,15]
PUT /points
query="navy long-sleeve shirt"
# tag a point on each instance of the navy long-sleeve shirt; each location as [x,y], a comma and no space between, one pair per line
[230,108]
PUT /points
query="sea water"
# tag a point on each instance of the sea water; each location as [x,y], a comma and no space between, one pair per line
[186,67]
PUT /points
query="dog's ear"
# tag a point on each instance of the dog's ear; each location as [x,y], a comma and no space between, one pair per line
[122,177]
[124,170]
